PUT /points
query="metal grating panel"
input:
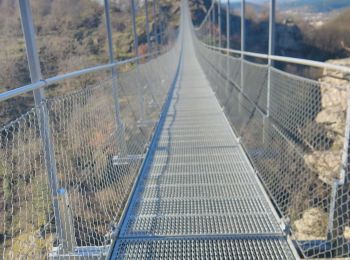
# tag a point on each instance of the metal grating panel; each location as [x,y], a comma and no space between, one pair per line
[190,178]
[200,191]
[185,225]
[204,206]
[198,182]
[212,248]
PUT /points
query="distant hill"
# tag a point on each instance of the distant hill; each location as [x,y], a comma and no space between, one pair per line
[334,36]
[321,6]
[331,41]
[317,6]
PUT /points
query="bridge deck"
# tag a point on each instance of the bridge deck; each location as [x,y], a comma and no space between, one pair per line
[198,196]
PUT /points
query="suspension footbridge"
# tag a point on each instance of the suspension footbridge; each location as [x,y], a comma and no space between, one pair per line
[198,195]
[193,152]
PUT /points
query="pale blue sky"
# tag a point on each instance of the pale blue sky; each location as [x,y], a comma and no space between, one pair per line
[252,1]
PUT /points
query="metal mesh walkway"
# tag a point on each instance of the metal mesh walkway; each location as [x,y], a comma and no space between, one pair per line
[198,196]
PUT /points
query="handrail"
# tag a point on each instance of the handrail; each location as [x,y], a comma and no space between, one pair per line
[297,61]
[47,82]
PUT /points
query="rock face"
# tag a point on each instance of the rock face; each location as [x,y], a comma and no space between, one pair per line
[334,87]
[326,161]
[347,233]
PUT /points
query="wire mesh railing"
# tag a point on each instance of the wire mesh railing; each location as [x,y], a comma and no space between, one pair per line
[295,131]
[96,163]
[68,165]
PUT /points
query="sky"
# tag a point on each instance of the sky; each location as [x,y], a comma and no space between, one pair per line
[254,1]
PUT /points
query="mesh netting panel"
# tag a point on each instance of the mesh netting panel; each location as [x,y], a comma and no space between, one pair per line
[68,166]
[27,226]
[255,83]
[298,151]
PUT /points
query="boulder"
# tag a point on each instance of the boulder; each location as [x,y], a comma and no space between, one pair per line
[326,163]
[312,225]
[347,233]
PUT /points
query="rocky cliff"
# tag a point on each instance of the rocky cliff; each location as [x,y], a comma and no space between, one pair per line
[334,86]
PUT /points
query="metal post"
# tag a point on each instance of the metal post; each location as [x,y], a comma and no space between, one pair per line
[120,125]
[214,21]
[149,48]
[136,49]
[228,44]
[160,25]
[271,51]
[63,220]
[206,31]
[154,14]
[228,26]
[219,22]
[242,50]
[209,29]
[134,29]
[149,44]
[212,27]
